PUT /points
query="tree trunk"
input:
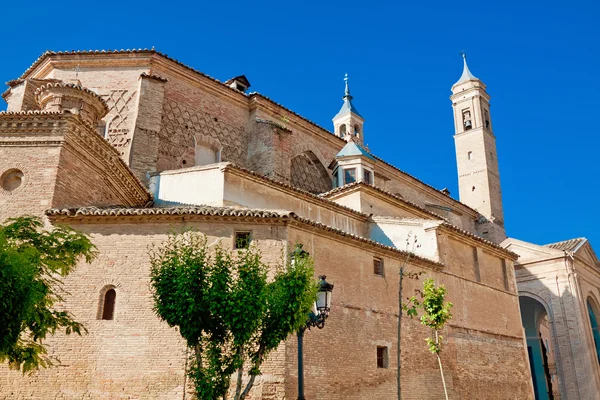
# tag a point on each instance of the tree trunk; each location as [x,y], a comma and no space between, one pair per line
[399,331]
[441,369]
[238,385]
[259,361]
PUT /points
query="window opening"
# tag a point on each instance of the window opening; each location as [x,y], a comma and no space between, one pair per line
[367,176]
[349,175]
[108,308]
[382,357]
[242,240]
[378,266]
[467,120]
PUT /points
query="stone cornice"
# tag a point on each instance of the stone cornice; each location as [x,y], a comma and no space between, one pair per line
[84,139]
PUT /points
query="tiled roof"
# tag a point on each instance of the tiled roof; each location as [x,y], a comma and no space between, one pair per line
[446,224]
[354,149]
[567,245]
[479,239]
[87,91]
[153,76]
[318,198]
[225,212]
[188,210]
[353,185]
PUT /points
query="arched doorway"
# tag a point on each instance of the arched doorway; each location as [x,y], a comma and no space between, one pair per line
[538,331]
[592,311]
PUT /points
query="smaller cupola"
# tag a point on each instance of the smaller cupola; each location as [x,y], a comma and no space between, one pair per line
[240,83]
[72,97]
[348,123]
[353,164]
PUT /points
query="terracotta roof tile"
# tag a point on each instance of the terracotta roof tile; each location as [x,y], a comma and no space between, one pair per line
[353,185]
[42,88]
[318,198]
[153,76]
[567,245]
[188,210]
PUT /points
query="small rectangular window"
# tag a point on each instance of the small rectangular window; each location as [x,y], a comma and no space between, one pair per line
[241,240]
[382,357]
[349,175]
[367,176]
[378,266]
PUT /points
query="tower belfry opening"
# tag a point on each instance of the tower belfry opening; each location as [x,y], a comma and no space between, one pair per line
[348,123]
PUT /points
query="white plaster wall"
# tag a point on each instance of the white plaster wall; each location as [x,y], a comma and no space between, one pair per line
[193,186]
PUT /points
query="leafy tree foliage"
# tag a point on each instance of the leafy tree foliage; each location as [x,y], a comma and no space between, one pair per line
[226,309]
[436,312]
[32,262]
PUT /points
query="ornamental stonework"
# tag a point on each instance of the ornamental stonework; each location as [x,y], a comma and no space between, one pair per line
[180,124]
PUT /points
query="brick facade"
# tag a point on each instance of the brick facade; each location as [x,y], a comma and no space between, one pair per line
[164,121]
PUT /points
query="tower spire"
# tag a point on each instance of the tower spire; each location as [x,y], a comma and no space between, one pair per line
[348,123]
[347,91]
[466,75]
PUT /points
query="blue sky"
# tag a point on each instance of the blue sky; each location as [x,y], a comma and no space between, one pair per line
[539,60]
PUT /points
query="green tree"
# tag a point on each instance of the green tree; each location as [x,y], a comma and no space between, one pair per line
[227,311]
[436,312]
[32,262]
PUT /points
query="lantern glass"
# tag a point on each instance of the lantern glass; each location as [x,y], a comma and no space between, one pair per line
[322,301]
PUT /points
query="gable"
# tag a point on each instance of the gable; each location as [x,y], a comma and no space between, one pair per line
[529,252]
[587,255]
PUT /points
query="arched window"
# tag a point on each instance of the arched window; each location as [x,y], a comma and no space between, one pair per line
[470,155]
[206,150]
[356,130]
[342,130]
[539,339]
[595,331]
[107,304]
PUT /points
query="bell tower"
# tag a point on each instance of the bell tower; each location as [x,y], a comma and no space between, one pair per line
[476,156]
[348,123]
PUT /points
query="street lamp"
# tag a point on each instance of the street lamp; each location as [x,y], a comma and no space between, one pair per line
[322,308]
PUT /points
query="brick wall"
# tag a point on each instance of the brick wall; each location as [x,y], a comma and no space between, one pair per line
[137,356]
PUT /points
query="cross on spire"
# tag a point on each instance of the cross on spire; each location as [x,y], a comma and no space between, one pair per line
[347,91]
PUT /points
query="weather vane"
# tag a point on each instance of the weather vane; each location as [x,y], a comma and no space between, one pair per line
[463,53]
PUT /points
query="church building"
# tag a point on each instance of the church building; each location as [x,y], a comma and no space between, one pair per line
[126,145]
